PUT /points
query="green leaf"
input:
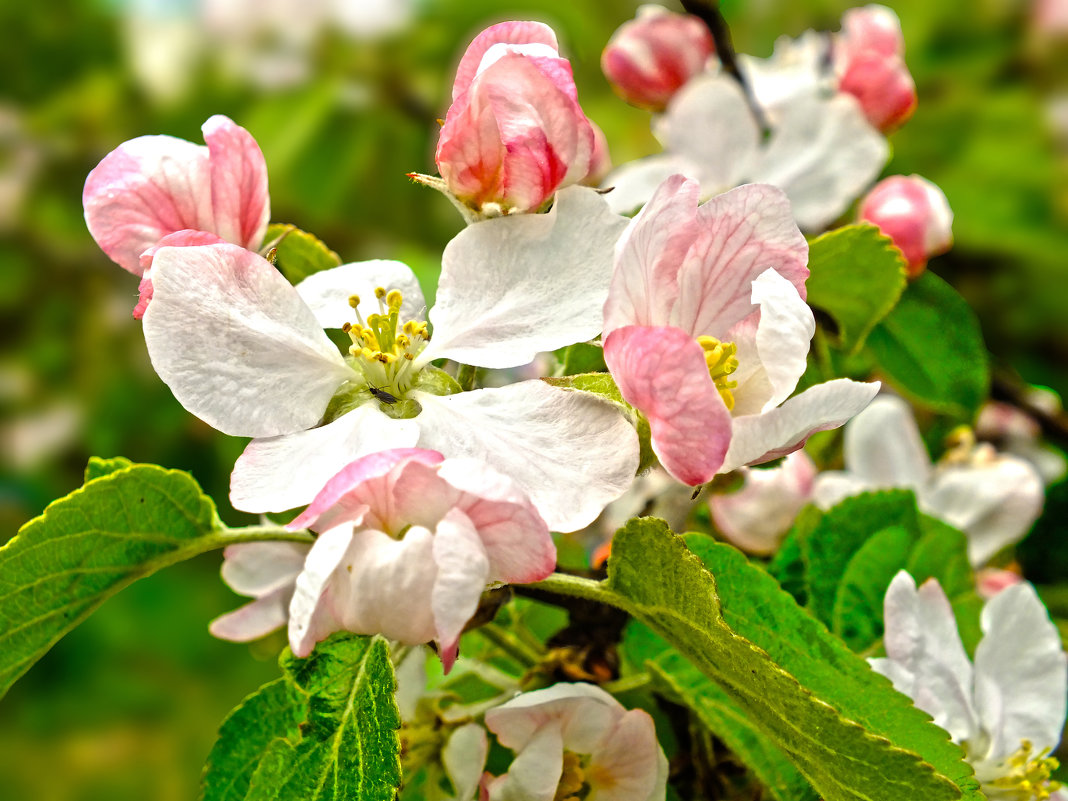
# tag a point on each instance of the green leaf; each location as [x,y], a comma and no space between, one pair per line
[856,276]
[99,467]
[274,710]
[299,254]
[117,528]
[581,357]
[349,746]
[931,347]
[674,677]
[858,605]
[799,685]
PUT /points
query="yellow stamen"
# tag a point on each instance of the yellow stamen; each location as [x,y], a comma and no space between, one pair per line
[1029,777]
[572,779]
[721,361]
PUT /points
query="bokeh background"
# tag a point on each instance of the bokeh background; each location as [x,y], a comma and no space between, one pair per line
[342,96]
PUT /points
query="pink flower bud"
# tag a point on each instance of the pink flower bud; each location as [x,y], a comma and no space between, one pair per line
[650,57]
[869,61]
[915,214]
[515,132]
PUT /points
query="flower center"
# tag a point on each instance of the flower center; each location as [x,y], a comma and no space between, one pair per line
[573,785]
[1029,776]
[719,356]
[383,348]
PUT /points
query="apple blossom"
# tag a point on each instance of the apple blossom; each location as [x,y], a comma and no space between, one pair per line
[246,352]
[707,331]
[993,498]
[515,132]
[989,581]
[756,517]
[650,57]
[408,541]
[267,572]
[869,61]
[159,190]
[821,150]
[916,216]
[1014,431]
[1007,709]
[572,738]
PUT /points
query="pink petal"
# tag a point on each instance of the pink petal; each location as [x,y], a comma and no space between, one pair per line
[345,497]
[535,772]
[743,233]
[256,619]
[239,196]
[645,287]
[257,568]
[143,190]
[517,33]
[874,28]
[463,572]
[311,613]
[186,238]
[883,87]
[663,374]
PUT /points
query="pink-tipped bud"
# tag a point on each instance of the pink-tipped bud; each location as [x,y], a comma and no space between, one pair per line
[515,132]
[869,60]
[915,214]
[650,57]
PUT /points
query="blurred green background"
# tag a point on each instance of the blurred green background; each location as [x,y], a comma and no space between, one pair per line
[343,97]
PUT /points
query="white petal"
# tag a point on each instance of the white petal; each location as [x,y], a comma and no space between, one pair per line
[236,344]
[569,451]
[282,473]
[586,713]
[463,571]
[464,756]
[327,293]
[834,486]
[823,153]
[1021,683]
[883,447]
[994,503]
[411,682]
[311,616]
[762,437]
[633,183]
[535,773]
[797,66]
[256,619]
[629,765]
[708,123]
[783,334]
[515,286]
[257,568]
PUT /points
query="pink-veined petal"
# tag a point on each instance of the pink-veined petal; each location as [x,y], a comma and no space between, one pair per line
[186,238]
[311,613]
[762,437]
[644,285]
[515,32]
[463,572]
[585,712]
[570,452]
[1021,683]
[256,619]
[516,286]
[662,373]
[743,233]
[276,474]
[143,190]
[257,568]
[236,344]
[327,293]
[883,446]
[239,196]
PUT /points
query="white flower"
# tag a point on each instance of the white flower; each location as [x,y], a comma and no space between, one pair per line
[1007,709]
[575,737]
[246,352]
[993,498]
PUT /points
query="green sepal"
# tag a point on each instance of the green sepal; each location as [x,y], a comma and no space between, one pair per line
[298,254]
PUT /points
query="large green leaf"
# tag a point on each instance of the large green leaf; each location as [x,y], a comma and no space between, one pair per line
[125,524]
[299,254]
[349,745]
[856,276]
[931,347]
[844,727]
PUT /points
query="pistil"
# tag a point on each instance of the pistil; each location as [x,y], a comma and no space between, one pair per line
[383,348]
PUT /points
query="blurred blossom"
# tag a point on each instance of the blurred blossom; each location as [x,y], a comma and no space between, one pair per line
[916,216]
[653,493]
[574,740]
[993,498]
[30,439]
[1014,431]
[1007,708]
[869,62]
[1050,18]
[989,581]
[20,160]
[756,517]
[162,53]
[649,58]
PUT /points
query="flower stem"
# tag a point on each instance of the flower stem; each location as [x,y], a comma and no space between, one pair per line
[636,681]
[503,639]
[465,376]
[708,12]
[268,533]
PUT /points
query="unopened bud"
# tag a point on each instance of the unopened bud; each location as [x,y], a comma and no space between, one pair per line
[916,216]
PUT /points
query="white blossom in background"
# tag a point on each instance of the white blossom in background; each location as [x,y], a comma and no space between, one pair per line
[246,352]
[706,331]
[1007,709]
[1015,431]
[576,740]
[992,497]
